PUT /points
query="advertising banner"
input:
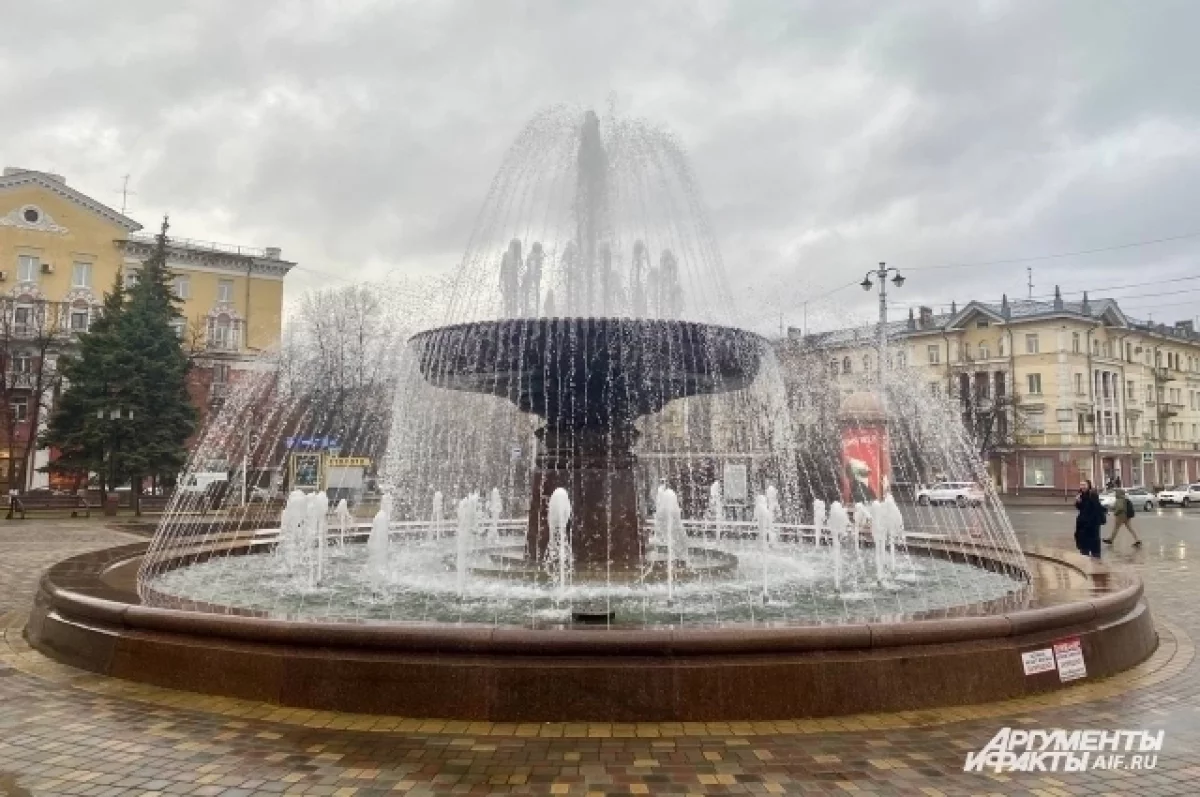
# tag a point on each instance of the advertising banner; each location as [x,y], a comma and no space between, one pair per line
[865,463]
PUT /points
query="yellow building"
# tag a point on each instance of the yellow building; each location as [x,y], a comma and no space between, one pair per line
[60,250]
[1065,390]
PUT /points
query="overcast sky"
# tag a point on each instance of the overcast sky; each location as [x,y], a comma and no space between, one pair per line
[362,136]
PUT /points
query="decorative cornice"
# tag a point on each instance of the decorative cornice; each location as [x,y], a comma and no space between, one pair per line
[27,289]
[204,258]
[63,190]
[225,308]
[75,294]
[45,222]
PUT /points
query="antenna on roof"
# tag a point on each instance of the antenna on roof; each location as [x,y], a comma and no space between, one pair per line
[125,194]
[1029,274]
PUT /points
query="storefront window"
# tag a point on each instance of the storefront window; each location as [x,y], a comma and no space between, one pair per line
[1039,472]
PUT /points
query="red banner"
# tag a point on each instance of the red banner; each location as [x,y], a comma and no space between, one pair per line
[865,463]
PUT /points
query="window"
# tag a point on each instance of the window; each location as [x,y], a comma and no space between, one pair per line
[79,320]
[934,353]
[833,366]
[27,268]
[935,388]
[130,279]
[846,365]
[1034,381]
[983,351]
[224,333]
[1031,344]
[1039,471]
[966,351]
[1081,424]
[900,359]
[866,364]
[1000,346]
[1129,352]
[81,275]
[182,288]
[22,363]
[225,290]
[178,325]
[1075,342]
[1078,384]
[19,408]
[22,317]
[31,214]
[1035,422]
[220,373]
[1130,391]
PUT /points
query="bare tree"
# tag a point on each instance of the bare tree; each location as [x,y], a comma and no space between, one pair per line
[33,332]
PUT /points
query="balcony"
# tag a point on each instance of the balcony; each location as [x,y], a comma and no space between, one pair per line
[1054,439]
[218,392]
[1163,374]
[1170,409]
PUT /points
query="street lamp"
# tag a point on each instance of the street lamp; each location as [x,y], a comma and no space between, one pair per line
[881,274]
[113,415]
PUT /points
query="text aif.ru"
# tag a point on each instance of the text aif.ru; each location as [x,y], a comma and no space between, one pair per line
[1016,750]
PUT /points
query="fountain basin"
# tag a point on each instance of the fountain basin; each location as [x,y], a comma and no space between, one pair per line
[87,613]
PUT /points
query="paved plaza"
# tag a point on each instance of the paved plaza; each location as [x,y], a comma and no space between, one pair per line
[67,732]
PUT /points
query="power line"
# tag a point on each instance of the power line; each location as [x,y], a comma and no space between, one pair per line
[1056,255]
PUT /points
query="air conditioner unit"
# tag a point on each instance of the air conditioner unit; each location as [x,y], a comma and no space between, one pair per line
[47,268]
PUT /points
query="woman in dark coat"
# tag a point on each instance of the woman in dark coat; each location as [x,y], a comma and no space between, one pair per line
[1089,521]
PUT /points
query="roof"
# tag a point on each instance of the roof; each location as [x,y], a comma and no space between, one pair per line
[15,178]
[1005,311]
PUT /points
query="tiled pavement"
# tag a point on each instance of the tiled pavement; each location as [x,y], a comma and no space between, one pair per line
[65,732]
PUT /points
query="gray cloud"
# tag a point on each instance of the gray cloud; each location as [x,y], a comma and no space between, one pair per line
[361,137]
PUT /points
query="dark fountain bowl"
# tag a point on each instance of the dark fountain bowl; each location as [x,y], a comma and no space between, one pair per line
[616,368]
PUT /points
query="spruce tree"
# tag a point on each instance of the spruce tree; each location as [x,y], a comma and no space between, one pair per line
[150,370]
[82,439]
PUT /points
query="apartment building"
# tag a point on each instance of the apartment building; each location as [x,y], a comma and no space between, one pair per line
[60,250]
[1053,391]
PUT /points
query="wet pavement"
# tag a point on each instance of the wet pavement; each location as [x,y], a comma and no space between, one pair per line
[66,732]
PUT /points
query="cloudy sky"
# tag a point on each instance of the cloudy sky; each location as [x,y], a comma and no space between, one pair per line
[362,136]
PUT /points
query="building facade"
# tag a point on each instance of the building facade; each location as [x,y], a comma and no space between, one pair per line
[1053,392]
[60,250]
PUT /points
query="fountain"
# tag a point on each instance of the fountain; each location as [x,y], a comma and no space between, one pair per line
[589,359]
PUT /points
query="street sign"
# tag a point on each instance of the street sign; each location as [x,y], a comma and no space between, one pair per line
[348,462]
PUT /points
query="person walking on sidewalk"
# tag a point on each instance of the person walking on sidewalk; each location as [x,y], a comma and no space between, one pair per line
[1089,521]
[1122,514]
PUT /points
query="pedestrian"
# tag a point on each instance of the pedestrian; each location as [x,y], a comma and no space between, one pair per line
[1089,520]
[1122,514]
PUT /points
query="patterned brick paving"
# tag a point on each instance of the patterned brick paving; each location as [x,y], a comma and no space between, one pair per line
[66,732]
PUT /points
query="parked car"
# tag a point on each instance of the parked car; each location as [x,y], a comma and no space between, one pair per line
[1182,494]
[200,481]
[1140,497]
[961,493]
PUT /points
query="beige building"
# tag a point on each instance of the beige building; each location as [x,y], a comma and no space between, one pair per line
[1054,392]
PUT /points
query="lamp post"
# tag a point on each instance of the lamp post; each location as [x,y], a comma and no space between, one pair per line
[881,274]
[114,415]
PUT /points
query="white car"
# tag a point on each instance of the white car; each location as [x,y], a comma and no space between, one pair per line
[960,493]
[1141,498]
[1183,494]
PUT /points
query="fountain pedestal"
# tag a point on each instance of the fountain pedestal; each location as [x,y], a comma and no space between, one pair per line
[596,468]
